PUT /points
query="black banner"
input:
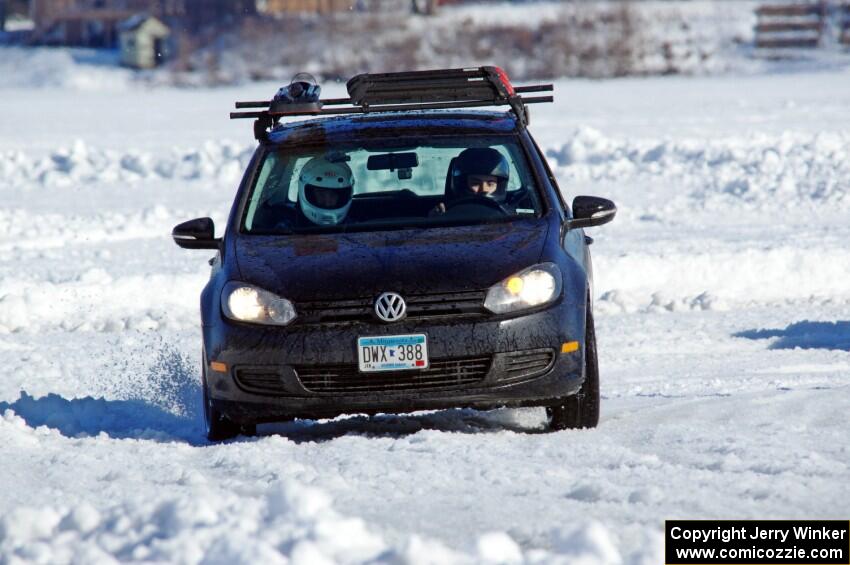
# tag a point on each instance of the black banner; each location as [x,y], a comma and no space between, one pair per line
[757,542]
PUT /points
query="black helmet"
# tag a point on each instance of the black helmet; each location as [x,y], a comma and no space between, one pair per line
[480,161]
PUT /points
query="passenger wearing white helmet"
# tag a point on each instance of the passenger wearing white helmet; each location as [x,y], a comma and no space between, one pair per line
[325,190]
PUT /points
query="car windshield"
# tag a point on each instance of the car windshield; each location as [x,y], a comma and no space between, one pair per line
[391,184]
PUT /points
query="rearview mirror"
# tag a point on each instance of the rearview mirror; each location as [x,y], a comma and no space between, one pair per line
[392,161]
[589,211]
[196,234]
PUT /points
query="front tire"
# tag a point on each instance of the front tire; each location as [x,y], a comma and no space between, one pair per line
[580,410]
[219,427]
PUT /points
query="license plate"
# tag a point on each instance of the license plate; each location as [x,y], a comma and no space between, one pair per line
[392,353]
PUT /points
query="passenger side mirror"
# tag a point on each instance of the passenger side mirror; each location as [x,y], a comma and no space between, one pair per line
[196,234]
[589,211]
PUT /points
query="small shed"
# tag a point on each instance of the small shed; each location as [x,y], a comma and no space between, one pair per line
[144,41]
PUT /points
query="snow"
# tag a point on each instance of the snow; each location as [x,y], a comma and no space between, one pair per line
[722,316]
[62,69]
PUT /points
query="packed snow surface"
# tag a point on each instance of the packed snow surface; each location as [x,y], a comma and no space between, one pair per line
[723,319]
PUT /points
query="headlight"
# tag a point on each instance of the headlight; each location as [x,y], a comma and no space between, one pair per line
[247,303]
[528,288]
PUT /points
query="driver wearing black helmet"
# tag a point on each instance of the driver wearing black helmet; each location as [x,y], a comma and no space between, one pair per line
[476,172]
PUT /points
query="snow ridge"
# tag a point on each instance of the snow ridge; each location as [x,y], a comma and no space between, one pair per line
[753,170]
[288,522]
[81,164]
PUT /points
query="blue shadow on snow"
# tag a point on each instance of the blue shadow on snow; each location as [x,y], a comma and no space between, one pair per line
[805,335]
[454,420]
[121,419]
[138,419]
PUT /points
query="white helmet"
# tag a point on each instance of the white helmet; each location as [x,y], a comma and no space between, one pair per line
[325,189]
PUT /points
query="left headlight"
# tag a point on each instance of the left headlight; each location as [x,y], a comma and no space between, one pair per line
[529,288]
[247,303]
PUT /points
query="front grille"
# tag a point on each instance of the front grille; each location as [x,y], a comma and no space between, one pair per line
[337,311]
[447,304]
[346,379]
[521,364]
[263,380]
[468,304]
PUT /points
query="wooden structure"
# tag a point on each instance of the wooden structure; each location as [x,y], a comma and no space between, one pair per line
[284,7]
[88,23]
[280,7]
[95,23]
[795,25]
[144,42]
[96,28]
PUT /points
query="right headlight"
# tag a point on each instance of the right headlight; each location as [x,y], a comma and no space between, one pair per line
[529,288]
[248,303]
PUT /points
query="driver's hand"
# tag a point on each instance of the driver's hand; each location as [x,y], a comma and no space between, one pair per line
[438,209]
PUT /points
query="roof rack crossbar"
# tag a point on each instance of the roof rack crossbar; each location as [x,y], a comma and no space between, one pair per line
[341,101]
[267,103]
[389,108]
[534,88]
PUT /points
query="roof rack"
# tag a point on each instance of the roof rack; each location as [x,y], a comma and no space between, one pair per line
[402,92]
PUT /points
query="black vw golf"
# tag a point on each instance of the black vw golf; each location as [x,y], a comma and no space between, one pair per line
[398,252]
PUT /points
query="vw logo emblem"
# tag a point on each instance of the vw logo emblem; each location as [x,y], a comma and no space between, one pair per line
[390,307]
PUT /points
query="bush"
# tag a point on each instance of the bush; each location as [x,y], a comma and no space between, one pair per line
[577,39]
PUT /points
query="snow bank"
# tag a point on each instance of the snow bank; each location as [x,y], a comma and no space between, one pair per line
[99,294]
[97,301]
[62,69]
[288,522]
[659,281]
[778,181]
[753,171]
[82,164]
[21,230]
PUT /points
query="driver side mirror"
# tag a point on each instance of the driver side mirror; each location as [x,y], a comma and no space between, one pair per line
[590,211]
[196,234]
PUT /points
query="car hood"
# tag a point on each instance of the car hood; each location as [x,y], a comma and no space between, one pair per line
[363,264]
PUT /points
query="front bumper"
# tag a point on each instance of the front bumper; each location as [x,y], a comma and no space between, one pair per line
[277,350]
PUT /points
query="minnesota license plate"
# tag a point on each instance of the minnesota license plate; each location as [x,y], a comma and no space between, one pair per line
[392,353]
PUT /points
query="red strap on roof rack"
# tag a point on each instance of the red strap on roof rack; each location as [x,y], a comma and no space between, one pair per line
[506,82]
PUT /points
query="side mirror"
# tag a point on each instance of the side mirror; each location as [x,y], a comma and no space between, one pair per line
[589,211]
[196,234]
